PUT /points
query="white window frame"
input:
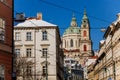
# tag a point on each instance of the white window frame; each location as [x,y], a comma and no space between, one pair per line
[28,52]
[44,69]
[44,35]
[28,36]
[17,35]
[17,52]
[44,52]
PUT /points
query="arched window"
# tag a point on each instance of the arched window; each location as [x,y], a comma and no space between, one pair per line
[85,48]
[71,43]
[85,33]
[65,43]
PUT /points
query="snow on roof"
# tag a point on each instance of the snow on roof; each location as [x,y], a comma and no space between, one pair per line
[34,23]
[102,41]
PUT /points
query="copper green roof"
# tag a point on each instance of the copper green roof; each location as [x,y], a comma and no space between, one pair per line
[73,29]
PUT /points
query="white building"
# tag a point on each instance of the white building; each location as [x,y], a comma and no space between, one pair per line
[33,39]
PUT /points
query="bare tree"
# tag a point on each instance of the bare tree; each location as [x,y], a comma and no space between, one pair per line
[23,68]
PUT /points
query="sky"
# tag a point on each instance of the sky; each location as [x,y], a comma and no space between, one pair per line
[101,13]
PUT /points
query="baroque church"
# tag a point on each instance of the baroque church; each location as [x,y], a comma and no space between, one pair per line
[76,41]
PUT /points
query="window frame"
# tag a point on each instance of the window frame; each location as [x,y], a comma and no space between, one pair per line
[44,35]
[28,52]
[71,43]
[29,70]
[85,47]
[17,36]
[44,52]
[17,51]
[85,33]
[29,36]
[2,29]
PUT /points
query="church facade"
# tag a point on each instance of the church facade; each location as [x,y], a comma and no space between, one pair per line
[76,41]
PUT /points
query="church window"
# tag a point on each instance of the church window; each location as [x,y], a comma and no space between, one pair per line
[71,43]
[85,48]
[65,43]
[84,33]
[76,43]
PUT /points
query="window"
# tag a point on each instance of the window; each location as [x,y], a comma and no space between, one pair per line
[44,69]
[79,43]
[44,35]
[17,51]
[44,51]
[17,36]
[84,26]
[2,72]
[85,48]
[3,0]
[29,70]
[65,43]
[2,29]
[28,36]
[71,43]
[28,52]
[84,33]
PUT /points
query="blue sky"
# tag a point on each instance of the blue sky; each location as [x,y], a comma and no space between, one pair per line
[101,13]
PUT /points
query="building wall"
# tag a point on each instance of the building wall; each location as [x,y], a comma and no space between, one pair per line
[6,44]
[55,54]
[108,64]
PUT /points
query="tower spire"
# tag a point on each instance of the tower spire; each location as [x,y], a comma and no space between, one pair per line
[85,14]
[73,22]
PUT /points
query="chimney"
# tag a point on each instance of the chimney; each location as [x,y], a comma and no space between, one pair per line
[39,16]
[20,16]
[118,15]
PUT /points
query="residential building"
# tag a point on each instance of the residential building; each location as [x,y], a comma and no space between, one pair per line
[5,39]
[107,65]
[38,42]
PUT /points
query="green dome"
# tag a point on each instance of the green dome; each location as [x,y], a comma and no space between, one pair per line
[72,30]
